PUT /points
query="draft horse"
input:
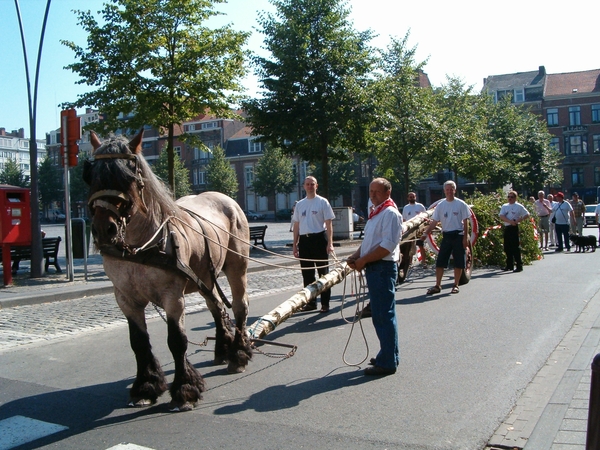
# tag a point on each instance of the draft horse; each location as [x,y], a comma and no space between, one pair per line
[155,250]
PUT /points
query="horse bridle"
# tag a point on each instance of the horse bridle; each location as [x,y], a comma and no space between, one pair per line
[97,199]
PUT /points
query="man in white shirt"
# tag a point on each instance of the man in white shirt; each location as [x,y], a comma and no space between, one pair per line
[512,214]
[377,255]
[453,214]
[313,238]
[410,211]
[543,208]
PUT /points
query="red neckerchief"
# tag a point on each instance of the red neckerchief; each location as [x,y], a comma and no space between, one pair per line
[378,209]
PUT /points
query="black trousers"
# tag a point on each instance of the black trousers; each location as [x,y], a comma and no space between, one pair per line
[314,247]
[512,247]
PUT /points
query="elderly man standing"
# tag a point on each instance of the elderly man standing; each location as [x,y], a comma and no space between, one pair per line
[552,227]
[563,217]
[512,214]
[578,214]
[543,208]
[454,215]
[313,238]
[378,254]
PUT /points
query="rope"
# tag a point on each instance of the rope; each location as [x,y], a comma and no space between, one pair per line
[359,291]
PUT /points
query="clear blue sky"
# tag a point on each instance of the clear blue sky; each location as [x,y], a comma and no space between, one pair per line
[470,39]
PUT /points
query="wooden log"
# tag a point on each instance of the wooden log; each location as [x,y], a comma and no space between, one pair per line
[411,229]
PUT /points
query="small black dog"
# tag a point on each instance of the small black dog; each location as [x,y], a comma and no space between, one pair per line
[582,243]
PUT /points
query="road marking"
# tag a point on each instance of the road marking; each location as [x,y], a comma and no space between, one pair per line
[128,446]
[18,430]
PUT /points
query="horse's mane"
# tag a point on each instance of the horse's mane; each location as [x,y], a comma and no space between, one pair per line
[154,200]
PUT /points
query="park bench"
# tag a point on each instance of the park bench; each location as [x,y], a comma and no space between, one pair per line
[258,234]
[50,246]
[359,226]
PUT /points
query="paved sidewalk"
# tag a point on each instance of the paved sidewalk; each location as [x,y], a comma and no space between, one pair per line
[552,412]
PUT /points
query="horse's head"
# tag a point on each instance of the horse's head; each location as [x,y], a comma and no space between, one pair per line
[116,183]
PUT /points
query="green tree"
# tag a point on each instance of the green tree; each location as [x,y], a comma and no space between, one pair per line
[220,176]
[51,184]
[314,82]
[465,146]
[155,63]
[12,174]
[342,176]
[78,189]
[407,123]
[525,143]
[273,173]
[182,175]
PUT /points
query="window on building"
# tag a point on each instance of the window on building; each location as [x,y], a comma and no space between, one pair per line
[177,151]
[201,177]
[595,113]
[574,116]
[575,145]
[255,146]
[596,143]
[555,144]
[200,154]
[519,95]
[248,175]
[146,145]
[596,176]
[208,125]
[552,117]
[577,176]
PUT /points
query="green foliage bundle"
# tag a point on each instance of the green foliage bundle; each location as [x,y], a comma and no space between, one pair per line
[489,249]
[13,175]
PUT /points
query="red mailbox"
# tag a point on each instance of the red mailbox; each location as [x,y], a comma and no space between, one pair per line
[15,223]
[15,215]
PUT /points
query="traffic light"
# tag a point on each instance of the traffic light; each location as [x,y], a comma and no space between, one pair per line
[71,132]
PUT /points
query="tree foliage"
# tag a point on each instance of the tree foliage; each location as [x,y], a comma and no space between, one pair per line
[155,63]
[50,181]
[12,174]
[273,173]
[407,118]
[182,175]
[314,81]
[342,176]
[220,176]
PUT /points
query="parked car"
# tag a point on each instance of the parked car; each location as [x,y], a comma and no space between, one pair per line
[590,215]
[283,214]
[252,215]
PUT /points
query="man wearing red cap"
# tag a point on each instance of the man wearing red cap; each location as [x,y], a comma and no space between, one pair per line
[563,218]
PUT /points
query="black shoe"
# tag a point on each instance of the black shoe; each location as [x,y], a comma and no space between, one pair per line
[372,362]
[558,250]
[366,312]
[310,306]
[377,371]
[507,269]
[518,269]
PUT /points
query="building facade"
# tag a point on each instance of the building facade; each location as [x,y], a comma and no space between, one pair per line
[569,103]
[14,146]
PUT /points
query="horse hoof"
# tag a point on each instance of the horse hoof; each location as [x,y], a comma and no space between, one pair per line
[233,368]
[187,406]
[141,403]
[219,361]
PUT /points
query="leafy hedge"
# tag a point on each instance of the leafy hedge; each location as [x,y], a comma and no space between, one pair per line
[489,250]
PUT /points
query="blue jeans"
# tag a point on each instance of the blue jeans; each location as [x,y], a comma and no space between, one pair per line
[381,280]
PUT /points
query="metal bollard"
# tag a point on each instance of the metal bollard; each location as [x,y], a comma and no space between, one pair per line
[593,428]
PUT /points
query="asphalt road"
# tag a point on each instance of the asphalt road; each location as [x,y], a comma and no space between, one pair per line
[465,360]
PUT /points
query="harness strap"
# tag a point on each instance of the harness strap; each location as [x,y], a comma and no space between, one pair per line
[106,205]
[212,271]
[108,193]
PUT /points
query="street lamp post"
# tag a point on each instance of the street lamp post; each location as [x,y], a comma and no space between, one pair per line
[36,234]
